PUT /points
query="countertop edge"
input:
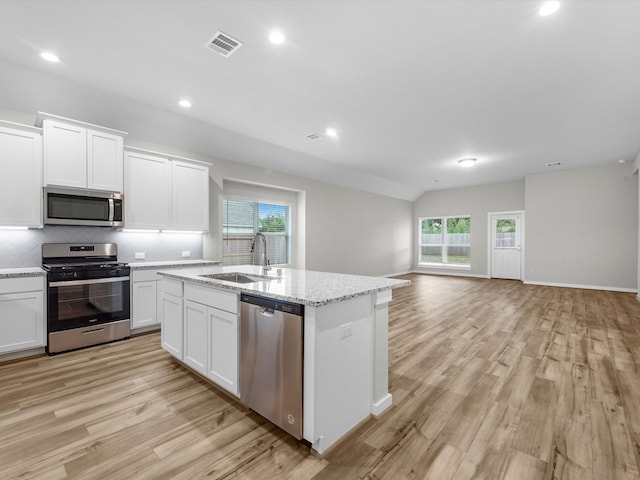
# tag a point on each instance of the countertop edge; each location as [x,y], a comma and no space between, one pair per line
[288,298]
[22,272]
[171,264]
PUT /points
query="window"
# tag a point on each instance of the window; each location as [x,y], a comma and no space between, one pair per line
[242,219]
[445,241]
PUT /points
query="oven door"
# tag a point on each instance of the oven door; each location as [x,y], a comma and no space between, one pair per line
[81,303]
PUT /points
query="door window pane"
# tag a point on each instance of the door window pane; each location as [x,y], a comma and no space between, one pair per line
[505,233]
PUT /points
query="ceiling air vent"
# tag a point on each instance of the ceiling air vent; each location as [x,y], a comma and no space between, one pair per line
[314,136]
[223,44]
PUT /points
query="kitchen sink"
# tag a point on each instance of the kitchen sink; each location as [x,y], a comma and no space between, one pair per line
[237,277]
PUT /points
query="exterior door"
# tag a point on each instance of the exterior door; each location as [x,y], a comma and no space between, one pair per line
[506,246]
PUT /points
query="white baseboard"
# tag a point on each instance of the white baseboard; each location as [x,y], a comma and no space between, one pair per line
[381,405]
[451,274]
[32,352]
[397,274]
[586,287]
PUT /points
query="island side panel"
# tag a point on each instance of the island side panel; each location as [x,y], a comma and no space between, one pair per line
[381,397]
[338,369]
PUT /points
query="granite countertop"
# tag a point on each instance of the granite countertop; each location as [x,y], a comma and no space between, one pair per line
[298,286]
[22,272]
[170,263]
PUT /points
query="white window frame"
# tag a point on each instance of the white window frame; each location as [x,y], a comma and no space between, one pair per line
[443,245]
[258,200]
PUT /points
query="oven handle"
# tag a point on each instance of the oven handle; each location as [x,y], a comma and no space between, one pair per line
[69,283]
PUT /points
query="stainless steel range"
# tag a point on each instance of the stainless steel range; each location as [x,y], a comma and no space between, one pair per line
[88,295]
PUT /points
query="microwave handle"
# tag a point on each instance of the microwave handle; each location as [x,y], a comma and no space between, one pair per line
[111,210]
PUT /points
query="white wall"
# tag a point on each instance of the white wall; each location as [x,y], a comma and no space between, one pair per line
[636,171]
[476,202]
[582,228]
[343,230]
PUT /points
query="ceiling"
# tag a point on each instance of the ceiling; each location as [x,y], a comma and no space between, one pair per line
[410,86]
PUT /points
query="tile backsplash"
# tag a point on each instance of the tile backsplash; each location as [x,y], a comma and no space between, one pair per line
[23,248]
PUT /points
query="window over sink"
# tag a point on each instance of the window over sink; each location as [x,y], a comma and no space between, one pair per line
[242,219]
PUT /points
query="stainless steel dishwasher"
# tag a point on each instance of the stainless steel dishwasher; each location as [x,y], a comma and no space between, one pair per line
[271,356]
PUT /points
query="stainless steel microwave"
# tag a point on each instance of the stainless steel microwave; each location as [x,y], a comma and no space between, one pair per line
[79,206]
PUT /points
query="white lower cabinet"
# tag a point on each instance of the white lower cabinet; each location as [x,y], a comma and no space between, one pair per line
[170,311]
[143,304]
[223,349]
[210,332]
[22,321]
[196,328]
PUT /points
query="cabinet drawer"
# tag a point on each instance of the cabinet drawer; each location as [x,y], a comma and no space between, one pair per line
[145,276]
[21,284]
[212,297]
[172,287]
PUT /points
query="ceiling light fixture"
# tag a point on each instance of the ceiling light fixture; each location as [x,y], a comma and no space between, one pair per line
[467,162]
[184,103]
[50,57]
[276,37]
[331,132]
[549,8]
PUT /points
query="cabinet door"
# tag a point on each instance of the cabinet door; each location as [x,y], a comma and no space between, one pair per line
[223,349]
[65,154]
[104,161]
[195,336]
[190,196]
[147,191]
[170,308]
[21,321]
[20,178]
[143,304]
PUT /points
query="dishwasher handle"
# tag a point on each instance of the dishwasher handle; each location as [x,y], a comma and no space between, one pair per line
[273,304]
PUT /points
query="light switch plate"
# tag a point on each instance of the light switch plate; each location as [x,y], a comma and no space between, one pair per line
[186,253]
[139,255]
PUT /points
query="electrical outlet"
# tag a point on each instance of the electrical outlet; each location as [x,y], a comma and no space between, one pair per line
[186,253]
[139,255]
[346,330]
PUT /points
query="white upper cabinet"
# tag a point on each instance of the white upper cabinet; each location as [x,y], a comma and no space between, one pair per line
[163,193]
[190,196]
[104,161]
[65,154]
[20,175]
[147,191]
[82,155]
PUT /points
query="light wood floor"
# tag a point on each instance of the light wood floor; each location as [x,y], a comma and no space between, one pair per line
[490,379]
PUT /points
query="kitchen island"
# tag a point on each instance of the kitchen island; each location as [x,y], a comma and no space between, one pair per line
[345,361]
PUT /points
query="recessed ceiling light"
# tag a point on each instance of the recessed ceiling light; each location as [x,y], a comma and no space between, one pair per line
[467,162]
[50,57]
[277,37]
[622,161]
[548,8]
[331,132]
[184,103]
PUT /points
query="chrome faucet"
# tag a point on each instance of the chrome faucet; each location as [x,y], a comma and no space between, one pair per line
[265,263]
